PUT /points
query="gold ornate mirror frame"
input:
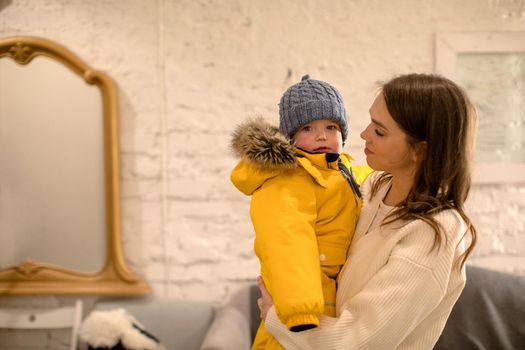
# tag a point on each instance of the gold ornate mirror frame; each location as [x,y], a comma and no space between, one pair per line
[115,278]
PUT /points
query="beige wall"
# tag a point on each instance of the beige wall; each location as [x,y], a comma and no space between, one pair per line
[189,71]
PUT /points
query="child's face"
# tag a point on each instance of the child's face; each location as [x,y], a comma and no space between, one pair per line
[320,136]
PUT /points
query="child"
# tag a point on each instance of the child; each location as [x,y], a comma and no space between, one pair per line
[305,202]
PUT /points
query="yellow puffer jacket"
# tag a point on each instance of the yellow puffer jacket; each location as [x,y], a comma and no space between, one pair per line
[304,213]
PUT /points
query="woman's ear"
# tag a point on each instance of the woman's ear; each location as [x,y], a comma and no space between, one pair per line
[420,151]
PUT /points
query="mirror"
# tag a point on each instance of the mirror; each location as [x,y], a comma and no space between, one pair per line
[59,175]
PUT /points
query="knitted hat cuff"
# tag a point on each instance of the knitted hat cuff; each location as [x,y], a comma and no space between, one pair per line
[304,113]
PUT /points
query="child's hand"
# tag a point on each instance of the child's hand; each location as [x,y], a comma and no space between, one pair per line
[265,302]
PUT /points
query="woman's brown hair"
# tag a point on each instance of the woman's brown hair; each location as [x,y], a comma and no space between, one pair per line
[434,109]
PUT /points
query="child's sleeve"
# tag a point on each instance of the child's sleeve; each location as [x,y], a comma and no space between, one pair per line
[284,213]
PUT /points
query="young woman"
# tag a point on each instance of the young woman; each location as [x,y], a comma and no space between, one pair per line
[405,266]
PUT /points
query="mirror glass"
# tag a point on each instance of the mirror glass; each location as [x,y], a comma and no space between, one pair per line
[51,167]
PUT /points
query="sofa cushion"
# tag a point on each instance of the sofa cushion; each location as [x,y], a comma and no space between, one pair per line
[230,330]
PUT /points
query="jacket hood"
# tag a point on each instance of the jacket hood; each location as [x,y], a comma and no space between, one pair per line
[261,143]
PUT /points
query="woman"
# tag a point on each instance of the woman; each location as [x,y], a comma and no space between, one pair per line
[405,266]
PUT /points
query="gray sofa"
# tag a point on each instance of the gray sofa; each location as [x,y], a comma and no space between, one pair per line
[189,325]
[489,315]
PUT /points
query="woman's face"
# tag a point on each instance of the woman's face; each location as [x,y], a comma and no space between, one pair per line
[386,145]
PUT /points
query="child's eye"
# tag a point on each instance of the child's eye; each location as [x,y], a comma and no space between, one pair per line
[306,128]
[332,127]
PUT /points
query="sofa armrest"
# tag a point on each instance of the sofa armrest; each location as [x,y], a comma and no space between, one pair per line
[229,330]
[489,313]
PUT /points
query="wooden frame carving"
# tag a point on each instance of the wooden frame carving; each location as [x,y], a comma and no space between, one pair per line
[115,278]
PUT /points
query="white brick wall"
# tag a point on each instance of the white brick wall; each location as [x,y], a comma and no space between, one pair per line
[189,70]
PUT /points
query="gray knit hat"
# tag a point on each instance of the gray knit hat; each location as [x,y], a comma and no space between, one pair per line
[311,100]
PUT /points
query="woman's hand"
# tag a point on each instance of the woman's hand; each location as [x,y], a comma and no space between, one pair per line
[265,302]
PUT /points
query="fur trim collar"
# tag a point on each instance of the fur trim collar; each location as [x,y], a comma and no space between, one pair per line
[261,143]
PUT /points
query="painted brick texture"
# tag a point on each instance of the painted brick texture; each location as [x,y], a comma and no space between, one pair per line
[189,71]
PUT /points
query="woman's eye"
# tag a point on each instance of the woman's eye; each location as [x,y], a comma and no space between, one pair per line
[378,133]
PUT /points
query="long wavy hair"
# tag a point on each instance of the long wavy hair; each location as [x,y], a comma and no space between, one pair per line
[434,109]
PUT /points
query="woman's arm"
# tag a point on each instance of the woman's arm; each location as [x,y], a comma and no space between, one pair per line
[379,317]
[396,300]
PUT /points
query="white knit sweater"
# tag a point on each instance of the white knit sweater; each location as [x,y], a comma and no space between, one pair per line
[394,291]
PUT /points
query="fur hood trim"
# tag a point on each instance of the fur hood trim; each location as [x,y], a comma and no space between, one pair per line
[262,144]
